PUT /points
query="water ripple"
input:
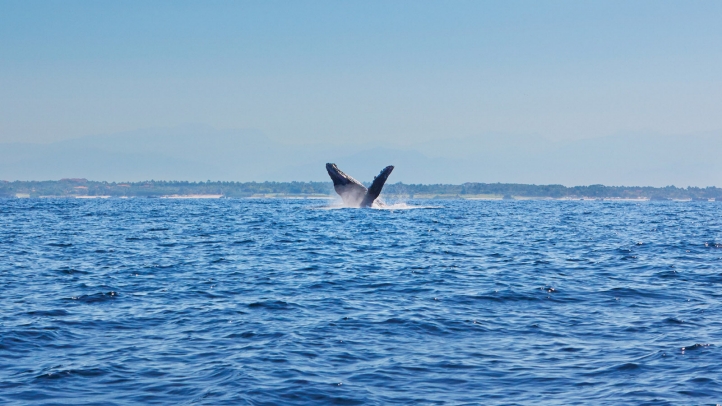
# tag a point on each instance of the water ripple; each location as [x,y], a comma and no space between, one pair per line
[150,301]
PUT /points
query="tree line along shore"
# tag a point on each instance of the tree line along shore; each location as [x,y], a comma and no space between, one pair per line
[87,188]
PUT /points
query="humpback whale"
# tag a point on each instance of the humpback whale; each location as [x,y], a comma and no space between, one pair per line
[353,193]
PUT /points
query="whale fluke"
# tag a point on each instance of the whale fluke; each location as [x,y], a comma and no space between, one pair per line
[352,192]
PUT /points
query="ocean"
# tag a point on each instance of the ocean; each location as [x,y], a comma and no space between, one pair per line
[295,302]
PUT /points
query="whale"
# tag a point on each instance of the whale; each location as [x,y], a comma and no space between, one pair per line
[352,192]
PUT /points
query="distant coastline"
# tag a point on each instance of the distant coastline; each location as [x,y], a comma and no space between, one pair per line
[83,188]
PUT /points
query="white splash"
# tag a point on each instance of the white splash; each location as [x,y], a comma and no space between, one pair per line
[338,205]
[403,206]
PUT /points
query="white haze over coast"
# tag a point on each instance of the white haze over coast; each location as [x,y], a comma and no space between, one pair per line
[199,153]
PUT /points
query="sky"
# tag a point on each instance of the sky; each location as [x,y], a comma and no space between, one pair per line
[396,73]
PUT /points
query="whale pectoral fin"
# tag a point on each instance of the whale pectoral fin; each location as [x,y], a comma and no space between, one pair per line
[352,192]
[378,184]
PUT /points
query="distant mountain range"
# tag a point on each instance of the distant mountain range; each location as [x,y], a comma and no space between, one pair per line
[199,153]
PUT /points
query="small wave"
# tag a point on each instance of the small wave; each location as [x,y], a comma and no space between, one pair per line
[66,373]
[695,347]
[396,206]
[49,313]
[71,271]
[96,297]
[60,244]
[628,366]
[272,305]
[245,334]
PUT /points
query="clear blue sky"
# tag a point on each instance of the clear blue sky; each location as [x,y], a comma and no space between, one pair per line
[353,71]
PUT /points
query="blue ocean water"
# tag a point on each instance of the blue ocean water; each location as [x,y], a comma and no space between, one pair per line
[263,302]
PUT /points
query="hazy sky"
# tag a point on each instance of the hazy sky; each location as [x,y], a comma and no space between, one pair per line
[361,71]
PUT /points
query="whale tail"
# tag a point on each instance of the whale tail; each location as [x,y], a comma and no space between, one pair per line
[352,191]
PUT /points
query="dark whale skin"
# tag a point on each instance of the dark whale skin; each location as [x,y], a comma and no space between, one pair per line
[352,192]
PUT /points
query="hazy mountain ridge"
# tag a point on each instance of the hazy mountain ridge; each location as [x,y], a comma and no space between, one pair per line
[198,153]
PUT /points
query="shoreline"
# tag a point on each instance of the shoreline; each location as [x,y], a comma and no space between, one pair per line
[88,189]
